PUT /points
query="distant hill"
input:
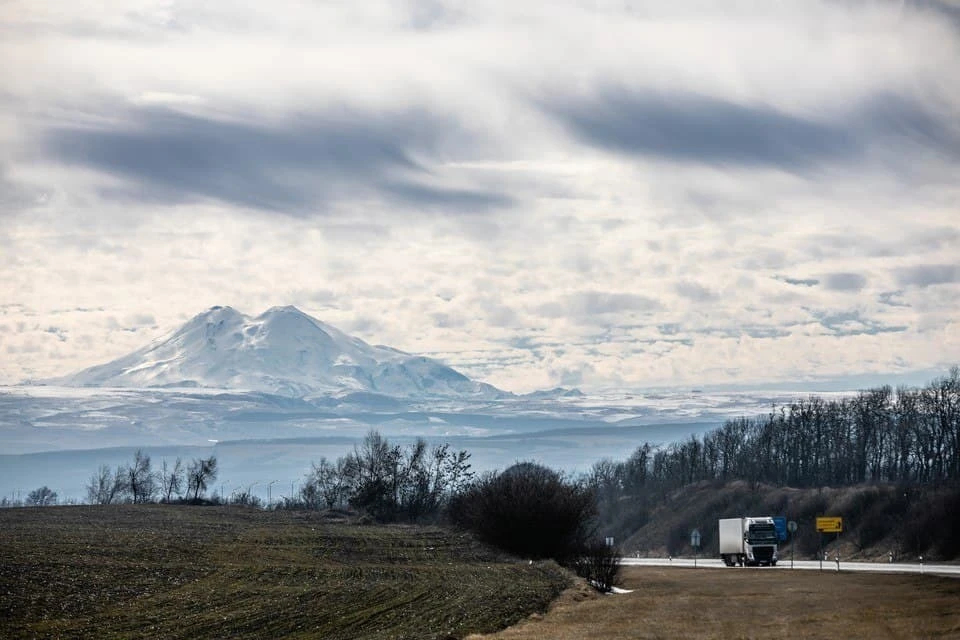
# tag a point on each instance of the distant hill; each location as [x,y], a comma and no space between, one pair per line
[282,351]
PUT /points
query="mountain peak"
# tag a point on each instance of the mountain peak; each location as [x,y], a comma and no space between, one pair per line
[218,310]
[282,351]
[289,308]
[215,314]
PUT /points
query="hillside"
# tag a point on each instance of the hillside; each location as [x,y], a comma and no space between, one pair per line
[282,351]
[162,571]
[879,519]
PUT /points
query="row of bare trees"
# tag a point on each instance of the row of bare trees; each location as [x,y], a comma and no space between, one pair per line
[138,482]
[388,481]
[909,436]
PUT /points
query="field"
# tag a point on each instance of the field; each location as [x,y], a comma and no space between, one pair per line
[197,572]
[718,604]
[200,572]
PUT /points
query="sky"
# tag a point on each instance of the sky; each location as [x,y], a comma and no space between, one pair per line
[603,194]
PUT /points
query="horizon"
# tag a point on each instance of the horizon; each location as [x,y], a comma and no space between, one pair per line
[846,384]
[630,195]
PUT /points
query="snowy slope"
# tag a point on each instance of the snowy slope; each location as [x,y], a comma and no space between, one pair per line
[282,351]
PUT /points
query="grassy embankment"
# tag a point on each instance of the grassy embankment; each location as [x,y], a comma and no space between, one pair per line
[194,572]
[878,520]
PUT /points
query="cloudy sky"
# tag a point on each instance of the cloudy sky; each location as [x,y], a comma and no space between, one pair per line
[591,193]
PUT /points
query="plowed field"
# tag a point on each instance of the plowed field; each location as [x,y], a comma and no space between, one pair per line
[163,571]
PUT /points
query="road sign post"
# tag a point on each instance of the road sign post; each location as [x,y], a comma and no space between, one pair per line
[792,528]
[695,543]
[828,524]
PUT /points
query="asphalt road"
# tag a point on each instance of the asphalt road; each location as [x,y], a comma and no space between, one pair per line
[784,564]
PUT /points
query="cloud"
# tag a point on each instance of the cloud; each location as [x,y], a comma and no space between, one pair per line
[630,163]
[844,281]
[948,9]
[688,127]
[299,165]
[892,299]
[853,323]
[799,282]
[896,121]
[585,304]
[928,275]
[140,319]
[694,291]
[18,196]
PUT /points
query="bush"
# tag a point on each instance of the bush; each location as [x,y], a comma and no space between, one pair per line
[245,499]
[948,545]
[528,510]
[874,527]
[678,538]
[42,497]
[599,564]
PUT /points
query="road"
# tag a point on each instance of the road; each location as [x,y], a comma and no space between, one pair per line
[784,564]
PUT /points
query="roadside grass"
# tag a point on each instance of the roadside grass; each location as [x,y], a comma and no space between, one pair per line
[203,572]
[752,603]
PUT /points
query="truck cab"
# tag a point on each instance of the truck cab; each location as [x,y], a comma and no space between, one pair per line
[748,541]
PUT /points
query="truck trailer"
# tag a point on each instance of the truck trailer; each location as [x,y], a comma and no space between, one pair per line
[748,541]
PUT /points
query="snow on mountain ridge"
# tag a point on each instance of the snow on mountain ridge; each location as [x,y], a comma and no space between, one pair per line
[282,351]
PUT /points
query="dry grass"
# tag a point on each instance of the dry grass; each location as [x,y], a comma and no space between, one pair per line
[687,603]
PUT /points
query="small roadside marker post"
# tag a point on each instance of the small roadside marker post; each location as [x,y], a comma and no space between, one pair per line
[695,543]
[792,528]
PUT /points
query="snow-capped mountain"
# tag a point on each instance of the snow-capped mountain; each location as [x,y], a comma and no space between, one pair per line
[282,351]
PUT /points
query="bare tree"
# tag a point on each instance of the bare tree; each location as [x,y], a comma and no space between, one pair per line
[103,487]
[200,473]
[140,480]
[388,481]
[171,480]
[42,497]
[328,483]
[376,485]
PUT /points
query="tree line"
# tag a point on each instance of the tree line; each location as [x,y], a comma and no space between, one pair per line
[908,436]
[387,481]
[140,483]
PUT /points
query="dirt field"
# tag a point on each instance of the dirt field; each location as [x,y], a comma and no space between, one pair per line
[688,603]
[155,571]
[211,572]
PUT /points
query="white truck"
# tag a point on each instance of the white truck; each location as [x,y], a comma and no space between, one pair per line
[748,541]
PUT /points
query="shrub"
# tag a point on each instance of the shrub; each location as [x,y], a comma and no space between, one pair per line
[528,510]
[599,564]
[678,538]
[42,497]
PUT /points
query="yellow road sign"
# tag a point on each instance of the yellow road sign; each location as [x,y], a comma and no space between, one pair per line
[830,525]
